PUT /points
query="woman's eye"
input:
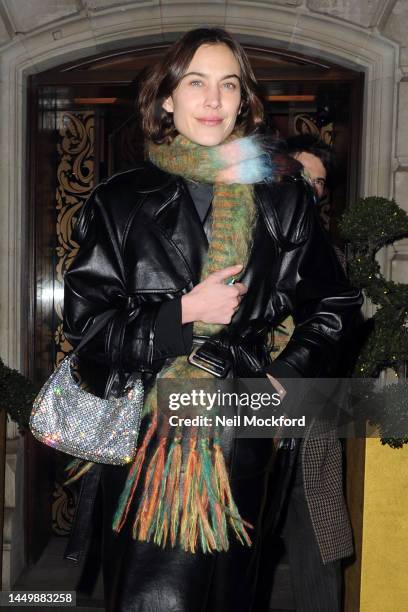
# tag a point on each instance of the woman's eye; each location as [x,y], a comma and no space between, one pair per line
[230,85]
[196,83]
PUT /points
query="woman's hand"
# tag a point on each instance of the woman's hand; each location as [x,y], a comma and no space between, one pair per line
[212,301]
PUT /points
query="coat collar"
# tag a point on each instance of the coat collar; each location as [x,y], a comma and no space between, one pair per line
[151,178]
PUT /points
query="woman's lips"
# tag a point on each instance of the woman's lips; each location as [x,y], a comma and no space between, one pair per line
[209,122]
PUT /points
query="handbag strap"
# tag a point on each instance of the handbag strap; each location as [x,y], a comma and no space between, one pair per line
[99,322]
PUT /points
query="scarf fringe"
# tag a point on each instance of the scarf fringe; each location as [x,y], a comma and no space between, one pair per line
[76,469]
[199,517]
[132,480]
[224,491]
[167,516]
[150,499]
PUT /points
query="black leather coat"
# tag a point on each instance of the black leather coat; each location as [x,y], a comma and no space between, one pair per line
[142,243]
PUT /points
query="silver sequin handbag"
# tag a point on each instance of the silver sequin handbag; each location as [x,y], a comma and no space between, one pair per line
[81,424]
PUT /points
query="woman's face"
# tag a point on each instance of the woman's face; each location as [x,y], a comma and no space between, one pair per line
[206,102]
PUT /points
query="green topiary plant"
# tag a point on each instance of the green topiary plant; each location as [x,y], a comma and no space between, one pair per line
[16,395]
[368,226]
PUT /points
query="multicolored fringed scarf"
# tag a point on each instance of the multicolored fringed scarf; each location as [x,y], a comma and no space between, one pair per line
[187,500]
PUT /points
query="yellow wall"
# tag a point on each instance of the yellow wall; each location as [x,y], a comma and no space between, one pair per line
[384,571]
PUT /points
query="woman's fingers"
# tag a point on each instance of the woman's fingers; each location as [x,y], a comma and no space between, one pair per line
[241,289]
[212,300]
[220,276]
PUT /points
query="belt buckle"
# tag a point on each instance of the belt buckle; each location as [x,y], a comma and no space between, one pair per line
[205,363]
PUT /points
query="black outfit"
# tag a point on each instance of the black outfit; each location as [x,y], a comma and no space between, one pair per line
[316,586]
[315,566]
[143,246]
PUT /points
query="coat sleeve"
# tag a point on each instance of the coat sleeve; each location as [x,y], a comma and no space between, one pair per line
[96,282]
[312,286]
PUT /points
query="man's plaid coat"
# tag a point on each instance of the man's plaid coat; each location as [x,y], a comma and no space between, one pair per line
[320,456]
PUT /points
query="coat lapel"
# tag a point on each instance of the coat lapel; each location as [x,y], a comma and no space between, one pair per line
[178,219]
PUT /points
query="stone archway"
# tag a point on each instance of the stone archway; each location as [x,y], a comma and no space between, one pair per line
[296,29]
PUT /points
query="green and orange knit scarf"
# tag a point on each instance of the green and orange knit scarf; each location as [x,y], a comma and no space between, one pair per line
[187,500]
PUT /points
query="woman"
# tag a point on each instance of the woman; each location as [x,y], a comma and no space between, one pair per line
[202,250]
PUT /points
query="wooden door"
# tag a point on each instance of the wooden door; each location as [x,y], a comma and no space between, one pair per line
[84,127]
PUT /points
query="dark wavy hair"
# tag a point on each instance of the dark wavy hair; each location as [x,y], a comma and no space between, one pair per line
[157,124]
[309,143]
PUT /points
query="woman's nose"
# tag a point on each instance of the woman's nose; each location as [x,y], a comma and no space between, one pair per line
[213,97]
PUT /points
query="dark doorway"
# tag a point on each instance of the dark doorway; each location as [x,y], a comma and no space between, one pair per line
[83,126]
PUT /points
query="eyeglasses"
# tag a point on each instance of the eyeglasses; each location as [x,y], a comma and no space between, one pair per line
[318,182]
